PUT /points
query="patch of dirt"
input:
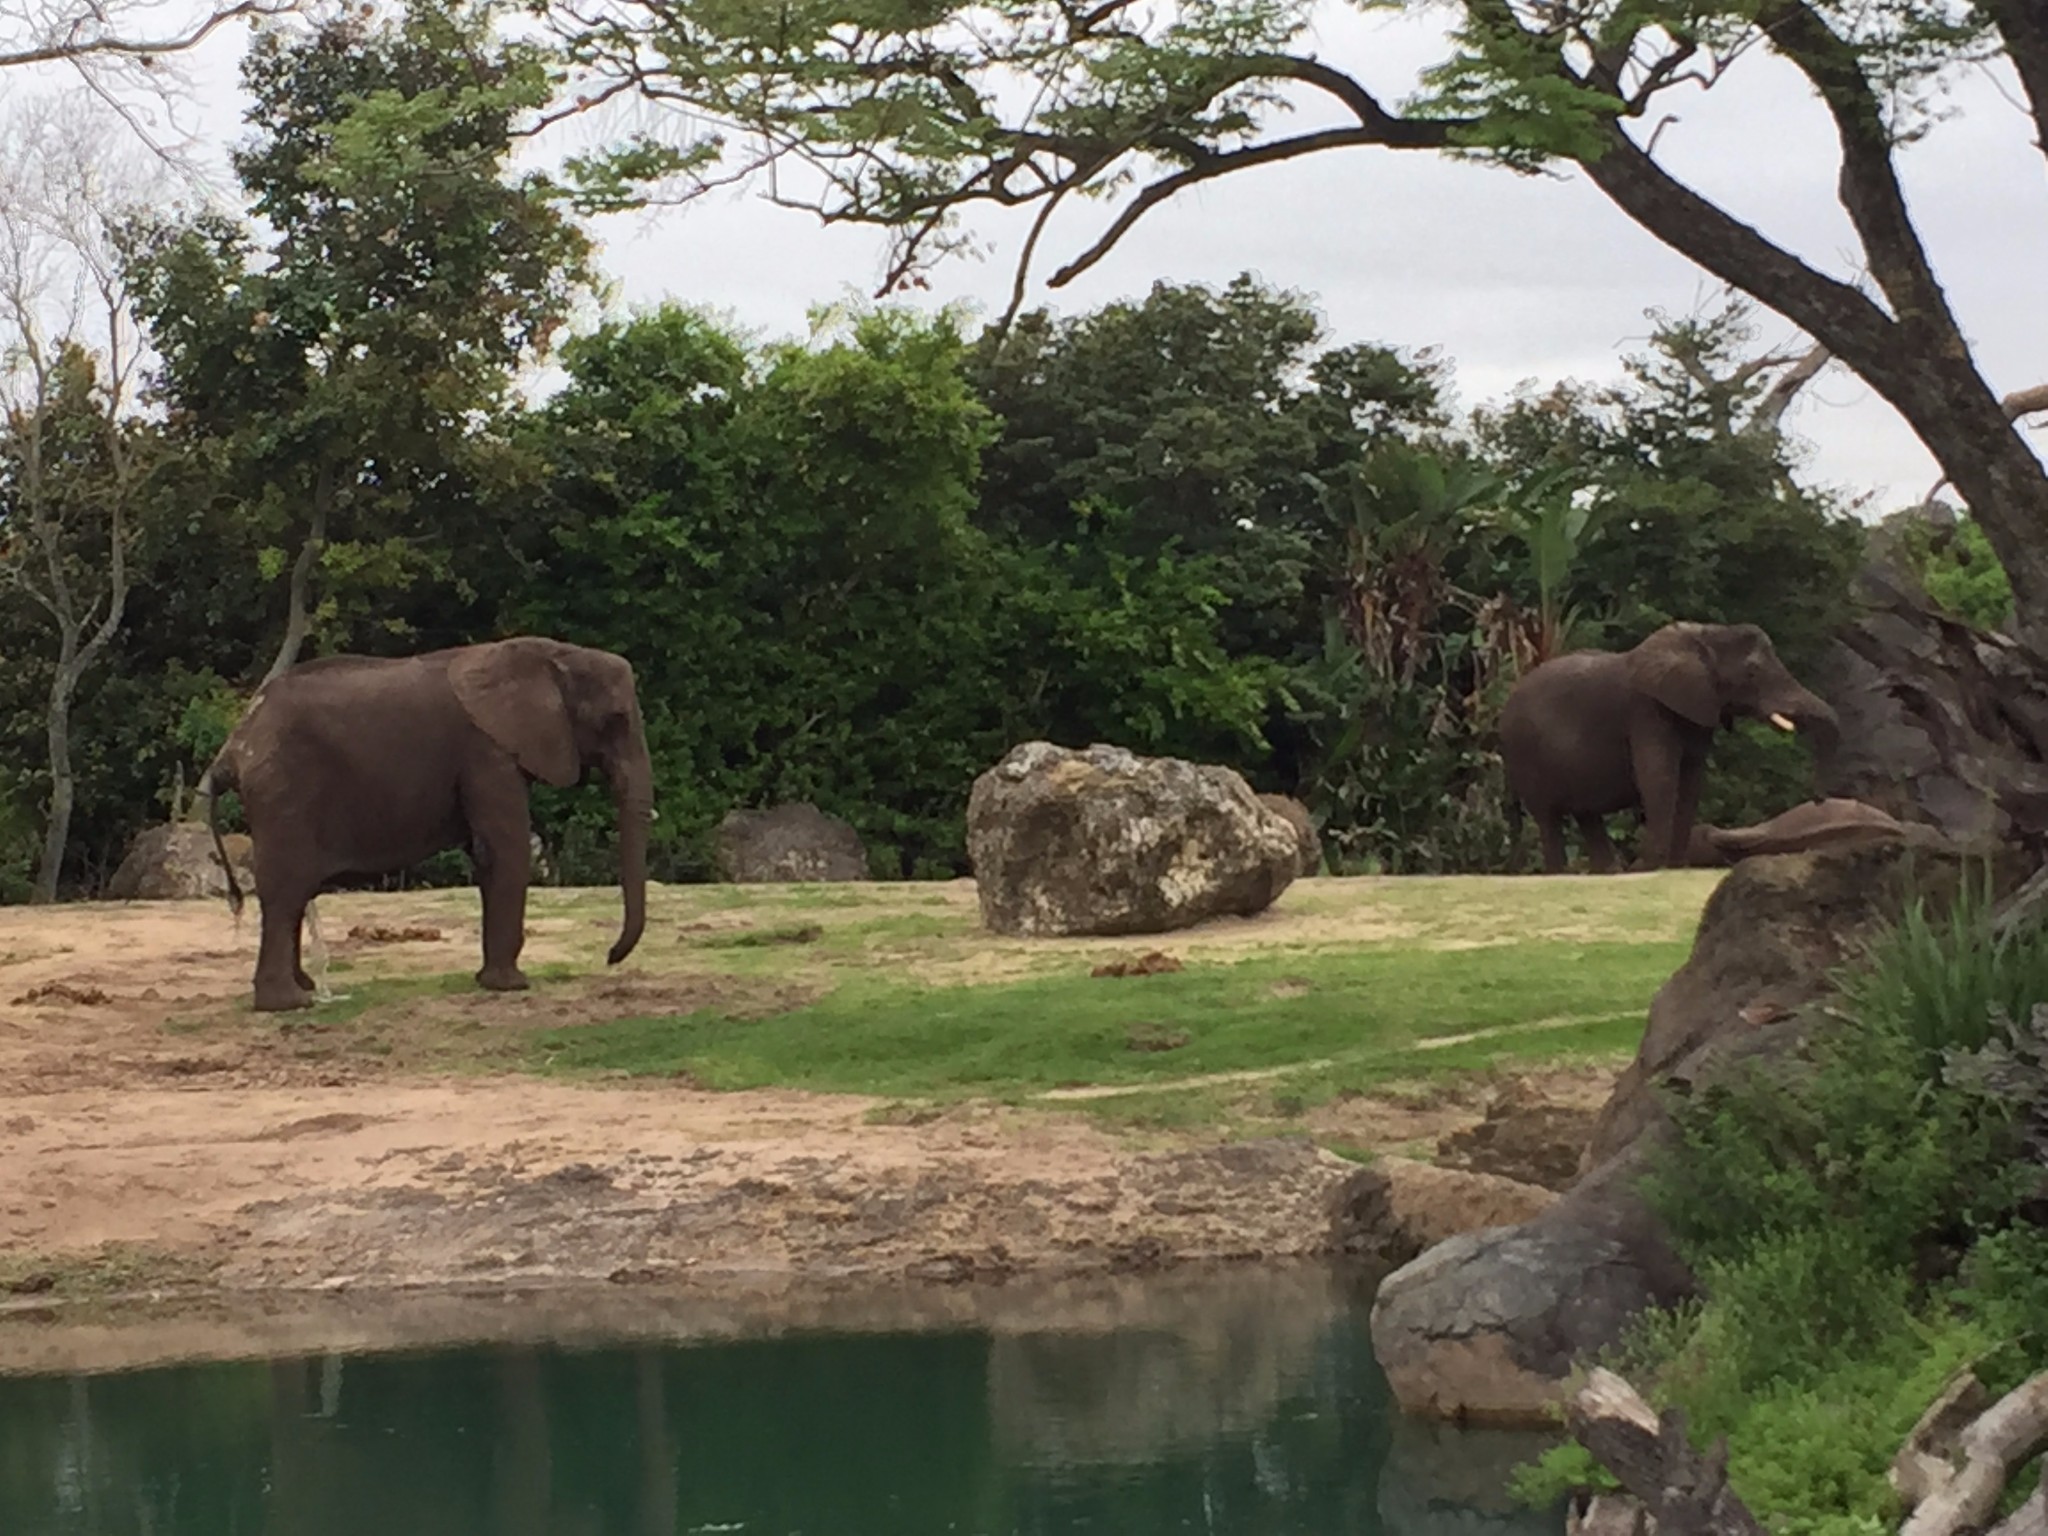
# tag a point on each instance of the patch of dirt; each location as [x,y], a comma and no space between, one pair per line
[160,1135]
[1532,1132]
[1538,1120]
[511,1180]
[1155,963]
[1155,1037]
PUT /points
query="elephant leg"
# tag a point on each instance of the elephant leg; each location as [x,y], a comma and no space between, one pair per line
[279,976]
[1656,761]
[1691,780]
[1599,846]
[499,832]
[1550,832]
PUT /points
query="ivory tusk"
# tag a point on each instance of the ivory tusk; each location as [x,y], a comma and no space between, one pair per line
[1783,723]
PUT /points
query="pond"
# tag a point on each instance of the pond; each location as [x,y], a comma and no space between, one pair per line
[1245,1403]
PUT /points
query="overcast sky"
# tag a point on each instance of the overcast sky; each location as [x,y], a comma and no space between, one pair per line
[1514,278]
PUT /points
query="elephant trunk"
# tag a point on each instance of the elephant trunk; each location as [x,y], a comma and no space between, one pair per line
[1811,717]
[632,778]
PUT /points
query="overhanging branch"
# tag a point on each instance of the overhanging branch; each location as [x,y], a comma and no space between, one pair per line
[80,44]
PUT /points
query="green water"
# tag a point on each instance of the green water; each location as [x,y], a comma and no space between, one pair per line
[1247,1411]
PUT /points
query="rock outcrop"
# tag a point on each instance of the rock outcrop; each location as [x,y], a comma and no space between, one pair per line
[1487,1325]
[1104,841]
[176,861]
[1524,1136]
[1297,816]
[793,841]
[1837,822]
[1942,724]
[1398,1208]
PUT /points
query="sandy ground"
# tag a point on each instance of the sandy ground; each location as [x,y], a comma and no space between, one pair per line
[233,1156]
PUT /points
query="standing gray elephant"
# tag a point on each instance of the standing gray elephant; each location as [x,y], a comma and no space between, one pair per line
[357,765]
[1594,732]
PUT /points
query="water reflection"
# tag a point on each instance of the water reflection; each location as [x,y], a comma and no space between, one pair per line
[1243,1404]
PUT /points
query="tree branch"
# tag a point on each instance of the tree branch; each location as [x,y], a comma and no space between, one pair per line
[1770,410]
[80,44]
[1868,183]
[1209,167]
[1832,312]
[2024,26]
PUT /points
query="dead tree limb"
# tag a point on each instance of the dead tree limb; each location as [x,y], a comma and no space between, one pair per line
[1963,1475]
[1683,1491]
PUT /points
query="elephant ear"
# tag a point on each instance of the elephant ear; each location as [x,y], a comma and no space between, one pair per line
[1673,667]
[512,690]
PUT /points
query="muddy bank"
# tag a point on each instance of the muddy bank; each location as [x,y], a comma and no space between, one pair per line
[139,1333]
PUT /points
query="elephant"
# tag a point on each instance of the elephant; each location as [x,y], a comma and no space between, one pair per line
[359,765]
[1593,732]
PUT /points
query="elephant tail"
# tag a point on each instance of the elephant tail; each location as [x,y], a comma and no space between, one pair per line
[219,776]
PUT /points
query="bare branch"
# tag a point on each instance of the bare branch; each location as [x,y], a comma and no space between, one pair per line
[1770,410]
[80,36]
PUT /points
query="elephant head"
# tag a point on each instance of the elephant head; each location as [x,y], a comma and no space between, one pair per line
[1713,674]
[562,709]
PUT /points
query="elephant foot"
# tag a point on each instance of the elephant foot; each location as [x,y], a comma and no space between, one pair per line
[274,998]
[502,978]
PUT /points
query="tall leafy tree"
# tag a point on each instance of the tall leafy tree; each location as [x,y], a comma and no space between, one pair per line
[905,115]
[342,365]
[74,460]
[1214,420]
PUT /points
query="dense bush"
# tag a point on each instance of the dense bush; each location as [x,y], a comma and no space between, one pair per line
[1864,1220]
[856,567]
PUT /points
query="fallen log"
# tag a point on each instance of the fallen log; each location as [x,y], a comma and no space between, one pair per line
[1683,1492]
[1951,1473]
[1962,1477]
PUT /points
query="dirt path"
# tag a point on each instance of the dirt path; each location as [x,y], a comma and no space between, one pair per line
[237,1154]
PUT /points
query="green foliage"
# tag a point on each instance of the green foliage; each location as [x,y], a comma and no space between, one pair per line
[335,367]
[1859,1219]
[1948,980]
[1957,569]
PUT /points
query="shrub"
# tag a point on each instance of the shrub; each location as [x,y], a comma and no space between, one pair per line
[1863,1218]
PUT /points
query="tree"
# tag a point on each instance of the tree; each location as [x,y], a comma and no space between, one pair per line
[72,460]
[345,371]
[906,115]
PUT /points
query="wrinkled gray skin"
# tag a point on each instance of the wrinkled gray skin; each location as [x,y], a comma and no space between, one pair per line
[1594,732]
[355,765]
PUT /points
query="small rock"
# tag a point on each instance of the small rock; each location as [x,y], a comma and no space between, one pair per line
[177,862]
[789,842]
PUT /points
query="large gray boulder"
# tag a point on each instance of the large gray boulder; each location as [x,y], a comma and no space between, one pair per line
[1488,1325]
[1104,841]
[789,842]
[176,861]
[1297,816]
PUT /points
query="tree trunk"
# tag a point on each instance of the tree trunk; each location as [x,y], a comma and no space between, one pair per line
[63,783]
[298,610]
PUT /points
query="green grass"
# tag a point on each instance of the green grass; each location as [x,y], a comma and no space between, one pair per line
[1370,1009]
[1346,986]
